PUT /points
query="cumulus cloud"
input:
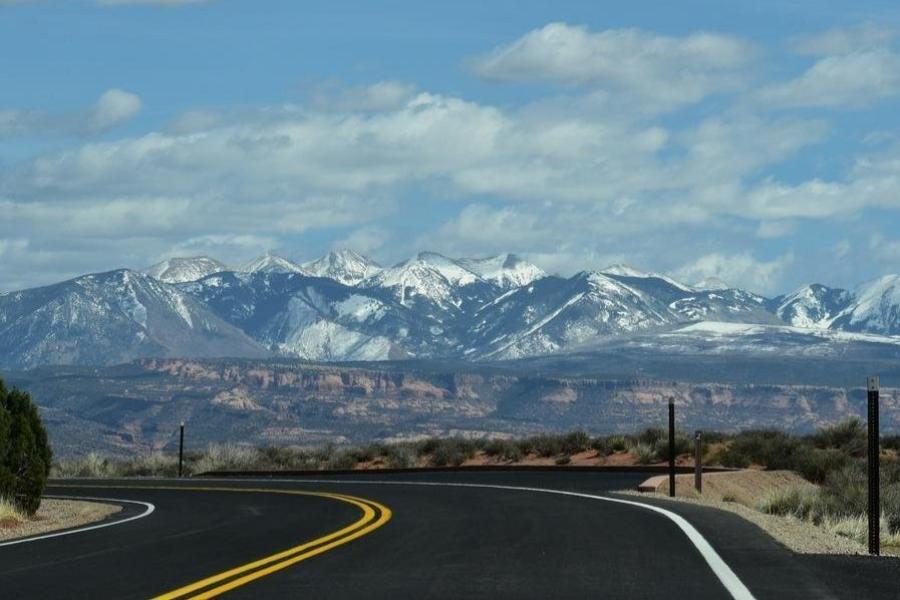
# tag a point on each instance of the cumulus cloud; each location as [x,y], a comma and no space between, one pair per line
[669,71]
[113,108]
[844,40]
[857,79]
[742,270]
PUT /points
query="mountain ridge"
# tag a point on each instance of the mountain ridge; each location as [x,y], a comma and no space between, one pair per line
[345,307]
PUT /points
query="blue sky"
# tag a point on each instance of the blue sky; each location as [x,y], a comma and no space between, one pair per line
[755,142]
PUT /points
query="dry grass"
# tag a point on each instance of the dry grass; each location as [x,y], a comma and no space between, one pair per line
[10,516]
[56,514]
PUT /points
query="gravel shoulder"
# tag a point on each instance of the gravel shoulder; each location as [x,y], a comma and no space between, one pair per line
[55,514]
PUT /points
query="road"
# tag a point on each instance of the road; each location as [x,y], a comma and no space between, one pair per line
[426,535]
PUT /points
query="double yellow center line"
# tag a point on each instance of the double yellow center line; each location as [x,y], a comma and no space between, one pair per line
[374,515]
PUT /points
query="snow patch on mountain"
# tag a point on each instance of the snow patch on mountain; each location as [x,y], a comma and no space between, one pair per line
[505,270]
[180,270]
[344,266]
[271,263]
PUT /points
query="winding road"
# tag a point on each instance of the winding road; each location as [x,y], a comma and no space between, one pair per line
[510,534]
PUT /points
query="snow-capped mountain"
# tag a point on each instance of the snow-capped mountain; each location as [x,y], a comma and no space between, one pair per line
[507,271]
[712,284]
[344,307]
[552,313]
[344,266]
[630,272]
[271,263]
[434,285]
[316,318]
[179,270]
[112,317]
[813,305]
[874,308]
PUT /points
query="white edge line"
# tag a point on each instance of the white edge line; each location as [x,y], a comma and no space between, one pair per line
[719,567]
[149,508]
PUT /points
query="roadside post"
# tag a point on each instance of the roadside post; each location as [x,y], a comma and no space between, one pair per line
[672,447]
[698,462]
[874,477]
[181,451]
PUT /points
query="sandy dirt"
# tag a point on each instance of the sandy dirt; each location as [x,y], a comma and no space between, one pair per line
[57,514]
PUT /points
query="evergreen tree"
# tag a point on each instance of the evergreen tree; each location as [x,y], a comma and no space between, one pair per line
[25,453]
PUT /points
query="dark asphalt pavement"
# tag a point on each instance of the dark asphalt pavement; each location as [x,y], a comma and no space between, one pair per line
[441,542]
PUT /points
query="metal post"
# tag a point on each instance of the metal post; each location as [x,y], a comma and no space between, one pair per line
[874,511]
[698,462]
[671,447]
[181,451]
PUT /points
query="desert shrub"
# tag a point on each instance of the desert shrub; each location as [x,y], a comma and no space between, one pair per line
[452,452]
[616,443]
[814,464]
[155,464]
[340,460]
[849,436]
[504,449]
[91,465]
[428,446]
[652,435]
[683,445]
[771,449]
[227,457]
[575,442]
[644,453]
[547,445]
[400,457]
[563,460]
[11,512]
[796,502]
[25,455]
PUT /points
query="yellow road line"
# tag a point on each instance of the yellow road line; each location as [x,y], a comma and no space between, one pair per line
[364,525]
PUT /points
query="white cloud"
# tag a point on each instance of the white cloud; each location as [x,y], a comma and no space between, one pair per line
[113,108]
[742,270]
[669,71]
[844,40]
[365,240]
[858,79]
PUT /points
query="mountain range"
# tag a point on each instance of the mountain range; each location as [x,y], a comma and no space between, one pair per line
[346,307]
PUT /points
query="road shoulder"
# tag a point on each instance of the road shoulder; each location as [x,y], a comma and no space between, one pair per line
[58,514]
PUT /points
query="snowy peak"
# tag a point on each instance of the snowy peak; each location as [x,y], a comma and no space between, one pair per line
[182,269]
[875,307]
[271,263]
[344,266]
[622,270]
[711,284]
[505,270]
[813,305]
[449,268]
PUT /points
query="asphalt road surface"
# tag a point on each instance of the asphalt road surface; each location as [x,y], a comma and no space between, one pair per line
[419,536]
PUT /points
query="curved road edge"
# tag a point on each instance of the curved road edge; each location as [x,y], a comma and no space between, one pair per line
[736,588]
[108,522]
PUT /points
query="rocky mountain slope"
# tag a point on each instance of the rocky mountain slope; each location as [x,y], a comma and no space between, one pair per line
[345,307]
[112,317]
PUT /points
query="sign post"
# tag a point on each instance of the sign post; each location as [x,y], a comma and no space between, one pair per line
[874,451]
[698,462]
[181,451]
[672,447]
